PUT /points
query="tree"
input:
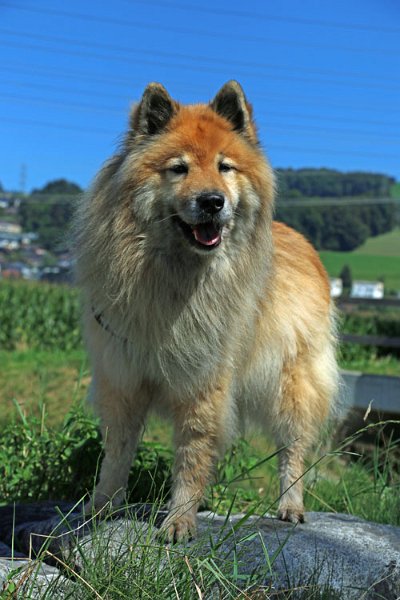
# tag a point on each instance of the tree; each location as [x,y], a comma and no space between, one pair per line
[347,278]
[59,186]
[48,212]
[329,183]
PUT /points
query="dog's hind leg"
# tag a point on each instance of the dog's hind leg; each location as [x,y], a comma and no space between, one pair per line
[122,422]
[304,405]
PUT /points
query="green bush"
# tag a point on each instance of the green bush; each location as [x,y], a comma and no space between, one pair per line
[40,463]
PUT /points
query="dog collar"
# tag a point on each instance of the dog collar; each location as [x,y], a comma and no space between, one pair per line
[100,320]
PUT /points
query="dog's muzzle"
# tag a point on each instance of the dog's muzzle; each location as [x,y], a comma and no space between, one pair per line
[204,219]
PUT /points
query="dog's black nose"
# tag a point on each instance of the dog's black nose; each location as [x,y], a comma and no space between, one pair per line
[210,202]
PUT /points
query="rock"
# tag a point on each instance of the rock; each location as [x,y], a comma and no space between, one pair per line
[32,579]
[354,557]
[351,557]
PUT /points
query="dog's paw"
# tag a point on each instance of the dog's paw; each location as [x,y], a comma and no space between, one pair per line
[291,515]
[93,507]
[178,529]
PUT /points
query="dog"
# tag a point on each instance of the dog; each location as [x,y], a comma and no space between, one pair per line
[197,304]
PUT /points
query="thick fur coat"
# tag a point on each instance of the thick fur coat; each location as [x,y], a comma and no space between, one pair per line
[197,304]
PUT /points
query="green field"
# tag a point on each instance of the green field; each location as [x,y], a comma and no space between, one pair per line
[378,258]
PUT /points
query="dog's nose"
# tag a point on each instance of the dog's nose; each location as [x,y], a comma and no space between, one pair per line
[210,202]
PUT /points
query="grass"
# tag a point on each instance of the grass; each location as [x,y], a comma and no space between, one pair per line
[32,378]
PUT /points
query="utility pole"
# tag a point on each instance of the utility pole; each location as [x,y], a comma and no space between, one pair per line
[23,177]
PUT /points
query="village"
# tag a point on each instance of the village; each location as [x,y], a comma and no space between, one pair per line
[22,256]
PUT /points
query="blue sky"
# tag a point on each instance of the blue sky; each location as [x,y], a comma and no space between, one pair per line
[323,78]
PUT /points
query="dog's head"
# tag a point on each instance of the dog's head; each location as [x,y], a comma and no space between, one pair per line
[198,175]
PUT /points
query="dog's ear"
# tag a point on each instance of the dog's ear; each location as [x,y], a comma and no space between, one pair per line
[154,111]
[230,103]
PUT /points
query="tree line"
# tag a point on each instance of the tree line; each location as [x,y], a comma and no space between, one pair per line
[340,226]
[47,211]
[329,183]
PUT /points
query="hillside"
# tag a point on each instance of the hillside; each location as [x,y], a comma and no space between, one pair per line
[377,258]
[387,244]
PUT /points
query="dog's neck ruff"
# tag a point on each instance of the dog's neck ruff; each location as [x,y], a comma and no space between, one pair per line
[100,320]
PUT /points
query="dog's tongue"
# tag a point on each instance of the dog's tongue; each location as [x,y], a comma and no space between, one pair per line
[206,234]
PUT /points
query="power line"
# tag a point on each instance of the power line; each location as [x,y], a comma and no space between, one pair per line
[88,130]
[175,55]
[59,88]
[102,131]
[196,67]
[136,24]
[394,139]
[55,72]
[268,125]
[118,48]
[270,17]
[330,151]
[71,105]
[267,114]
[88,76]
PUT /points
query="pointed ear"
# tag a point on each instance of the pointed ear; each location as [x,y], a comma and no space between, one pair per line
[231,103]
[154,111]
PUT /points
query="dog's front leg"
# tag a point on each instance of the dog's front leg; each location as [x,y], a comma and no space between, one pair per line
[201,430]
[121,419]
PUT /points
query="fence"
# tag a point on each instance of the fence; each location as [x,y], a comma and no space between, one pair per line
[361,389]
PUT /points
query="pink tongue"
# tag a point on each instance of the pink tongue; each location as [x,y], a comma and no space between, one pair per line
[206,234]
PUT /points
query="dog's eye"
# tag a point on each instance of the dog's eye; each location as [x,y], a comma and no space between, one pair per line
[225,167]
[179,169]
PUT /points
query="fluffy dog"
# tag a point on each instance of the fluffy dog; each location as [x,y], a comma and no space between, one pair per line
[197,304]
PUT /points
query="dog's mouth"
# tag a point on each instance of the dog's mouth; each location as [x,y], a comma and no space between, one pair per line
[206,236]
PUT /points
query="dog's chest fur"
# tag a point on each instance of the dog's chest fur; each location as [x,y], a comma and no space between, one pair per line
[177,326]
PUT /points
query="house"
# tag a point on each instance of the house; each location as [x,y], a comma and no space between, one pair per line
[336,287]
[367,289]
[4,203]
[13,241]
[8,227]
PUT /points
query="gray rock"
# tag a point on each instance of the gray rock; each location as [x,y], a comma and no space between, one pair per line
[25,579]
[353,558]
[356,558]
